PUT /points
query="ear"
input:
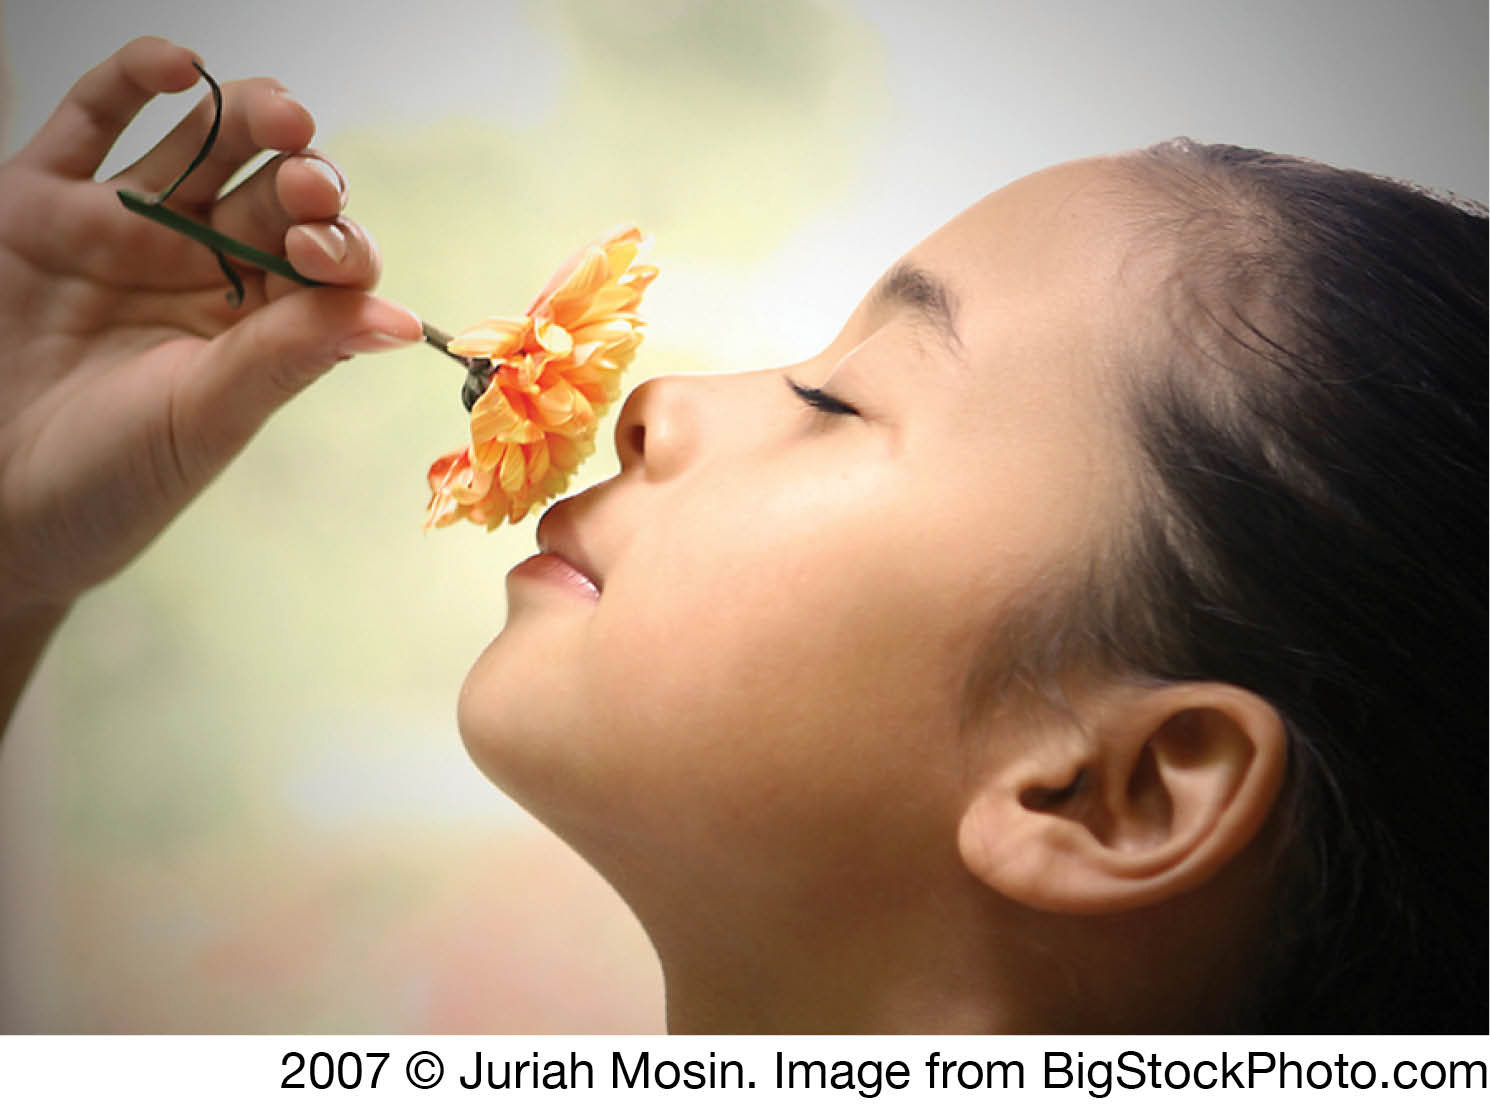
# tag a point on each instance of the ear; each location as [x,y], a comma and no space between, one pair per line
[1142,794]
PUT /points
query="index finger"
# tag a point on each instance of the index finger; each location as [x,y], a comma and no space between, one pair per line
[86,124]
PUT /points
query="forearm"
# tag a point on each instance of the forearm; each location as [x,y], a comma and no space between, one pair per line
[24,633]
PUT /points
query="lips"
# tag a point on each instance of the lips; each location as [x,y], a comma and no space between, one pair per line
[557,538]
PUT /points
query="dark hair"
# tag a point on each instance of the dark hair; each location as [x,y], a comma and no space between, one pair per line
[1314,529]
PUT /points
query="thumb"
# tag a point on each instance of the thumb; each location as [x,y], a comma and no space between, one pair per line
[254,367]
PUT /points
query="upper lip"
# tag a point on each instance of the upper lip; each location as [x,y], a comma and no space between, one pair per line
[557,537]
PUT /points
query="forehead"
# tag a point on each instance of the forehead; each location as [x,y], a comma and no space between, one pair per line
[1047,280]
[1053,302]
[1056,247]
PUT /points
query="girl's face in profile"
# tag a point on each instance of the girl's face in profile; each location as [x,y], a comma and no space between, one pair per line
[796,567]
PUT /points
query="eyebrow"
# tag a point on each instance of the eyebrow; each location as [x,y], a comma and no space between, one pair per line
[910,287]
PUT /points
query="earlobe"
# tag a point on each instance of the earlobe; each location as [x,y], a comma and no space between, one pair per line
[1145,793]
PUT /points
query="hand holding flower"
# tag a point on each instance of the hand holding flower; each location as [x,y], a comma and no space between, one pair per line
[127,381]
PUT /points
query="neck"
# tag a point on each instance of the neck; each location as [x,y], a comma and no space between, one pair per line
[846,941]
[887,966]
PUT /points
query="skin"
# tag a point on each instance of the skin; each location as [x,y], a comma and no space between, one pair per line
[126,380]
[754,729]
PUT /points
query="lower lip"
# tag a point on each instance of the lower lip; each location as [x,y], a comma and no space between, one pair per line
[549,568]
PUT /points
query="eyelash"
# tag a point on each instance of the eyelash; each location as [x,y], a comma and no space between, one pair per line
[820,400]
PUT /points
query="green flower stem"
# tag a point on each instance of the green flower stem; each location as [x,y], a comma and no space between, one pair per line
[214,240]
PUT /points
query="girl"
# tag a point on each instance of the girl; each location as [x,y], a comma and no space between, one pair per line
[1086,640]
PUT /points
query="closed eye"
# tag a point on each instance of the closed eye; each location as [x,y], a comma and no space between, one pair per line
[820,400]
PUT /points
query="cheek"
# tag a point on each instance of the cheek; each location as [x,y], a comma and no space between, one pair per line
[775,639]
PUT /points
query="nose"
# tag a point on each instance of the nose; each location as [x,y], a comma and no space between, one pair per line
[658,429]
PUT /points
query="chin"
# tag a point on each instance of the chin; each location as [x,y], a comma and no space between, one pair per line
[500,716]
[524,725]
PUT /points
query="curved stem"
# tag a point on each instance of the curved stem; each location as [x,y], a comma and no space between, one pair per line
[211,134]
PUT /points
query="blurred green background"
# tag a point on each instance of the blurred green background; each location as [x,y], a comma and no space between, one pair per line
[234,799]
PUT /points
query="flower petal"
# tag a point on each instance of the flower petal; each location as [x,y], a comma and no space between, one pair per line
[552,337]
[538,460]
[492,338]
[494,418]
[512,473]
[589,275]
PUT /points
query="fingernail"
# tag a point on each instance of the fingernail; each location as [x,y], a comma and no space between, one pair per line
[328,238]
[285,94]
[328,172]
[373,341]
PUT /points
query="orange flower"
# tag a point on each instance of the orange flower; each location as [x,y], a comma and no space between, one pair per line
[554,371]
